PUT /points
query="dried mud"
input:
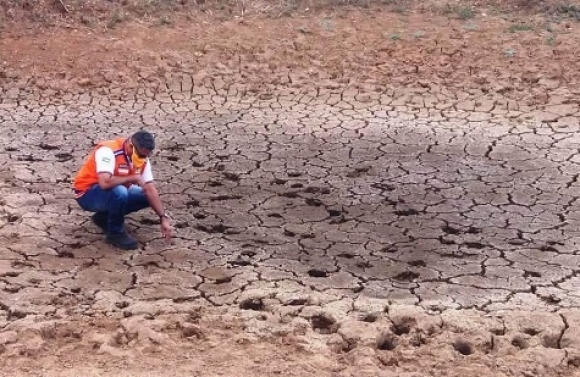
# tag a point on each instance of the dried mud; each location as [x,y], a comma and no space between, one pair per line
[354,193]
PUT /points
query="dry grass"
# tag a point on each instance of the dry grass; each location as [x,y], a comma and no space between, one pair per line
[163,12]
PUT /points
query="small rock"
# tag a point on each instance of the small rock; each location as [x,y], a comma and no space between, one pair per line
[337,344]
[573,358]
[321,322]
[548,357]
[549,83]
[119,338]
[138,329]
[356,332]
[408,317]
[96,340]
[192,331]
[293,298]
[8,337]
[215,273]
[562,110]
[106,349]
[370,304]
[466,105]
[544,116]
[533,324]
[32,347]
[108,301]
[364,358]
[84,82]
[245,339]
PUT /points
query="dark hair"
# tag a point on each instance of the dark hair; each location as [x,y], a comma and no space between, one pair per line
[143,139]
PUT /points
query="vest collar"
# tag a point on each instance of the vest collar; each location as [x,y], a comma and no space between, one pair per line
[127,159]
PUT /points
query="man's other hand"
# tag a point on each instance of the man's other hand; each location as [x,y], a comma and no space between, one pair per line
[166,229]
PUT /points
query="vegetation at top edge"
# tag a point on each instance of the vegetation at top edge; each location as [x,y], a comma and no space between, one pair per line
[112,12]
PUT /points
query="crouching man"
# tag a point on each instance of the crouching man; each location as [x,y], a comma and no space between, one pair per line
[116,180]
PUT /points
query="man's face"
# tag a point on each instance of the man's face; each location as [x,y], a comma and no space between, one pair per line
[138,154]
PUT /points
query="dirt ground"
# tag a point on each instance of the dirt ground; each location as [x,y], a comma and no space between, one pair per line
[358,189]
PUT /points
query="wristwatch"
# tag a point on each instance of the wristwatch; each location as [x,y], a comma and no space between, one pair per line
[165,215]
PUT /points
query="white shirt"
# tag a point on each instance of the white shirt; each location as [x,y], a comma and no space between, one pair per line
[105,159]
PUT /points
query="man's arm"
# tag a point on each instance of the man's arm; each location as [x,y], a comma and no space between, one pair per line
[107,181]
[151,191]
[154,201]
[105,161]
[153,196]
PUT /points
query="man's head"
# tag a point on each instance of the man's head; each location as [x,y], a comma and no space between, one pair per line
[141,145]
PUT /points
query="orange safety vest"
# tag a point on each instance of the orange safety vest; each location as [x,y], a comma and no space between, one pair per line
[88,176]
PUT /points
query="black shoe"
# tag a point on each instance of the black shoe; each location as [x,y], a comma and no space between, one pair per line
[122,240]
[100,220]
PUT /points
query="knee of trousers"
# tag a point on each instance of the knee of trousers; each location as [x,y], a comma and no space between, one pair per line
[120,193]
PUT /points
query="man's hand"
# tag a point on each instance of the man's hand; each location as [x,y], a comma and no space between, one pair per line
[166,229]
[138,180]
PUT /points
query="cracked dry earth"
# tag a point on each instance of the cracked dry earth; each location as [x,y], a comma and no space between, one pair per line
[318,232]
